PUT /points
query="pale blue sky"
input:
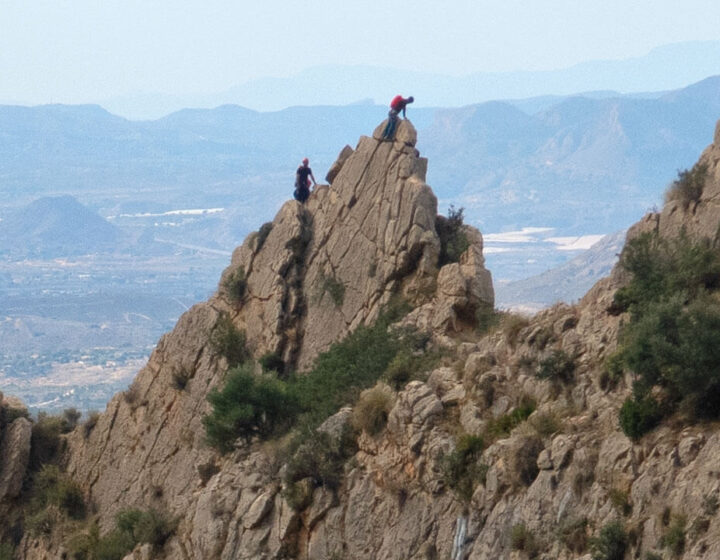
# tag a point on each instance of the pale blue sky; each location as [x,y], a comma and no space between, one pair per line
[76,51]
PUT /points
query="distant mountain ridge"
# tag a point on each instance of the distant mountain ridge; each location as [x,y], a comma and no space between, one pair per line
[586,165]
[56,226]
[583,165]
[663,68]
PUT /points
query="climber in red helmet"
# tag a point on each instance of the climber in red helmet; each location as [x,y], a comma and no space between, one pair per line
[302,181]
[399,103]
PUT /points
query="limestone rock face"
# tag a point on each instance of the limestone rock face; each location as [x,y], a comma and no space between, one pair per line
[302,282]
[345,153]
[311,276]
[331,265]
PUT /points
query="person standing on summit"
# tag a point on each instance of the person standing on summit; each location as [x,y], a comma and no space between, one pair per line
[399,103]
[302,181]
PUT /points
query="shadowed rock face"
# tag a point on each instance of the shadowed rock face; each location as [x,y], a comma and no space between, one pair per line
[15,436]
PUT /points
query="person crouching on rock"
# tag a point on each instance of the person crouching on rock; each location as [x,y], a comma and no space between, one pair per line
[399,103]
[302,181]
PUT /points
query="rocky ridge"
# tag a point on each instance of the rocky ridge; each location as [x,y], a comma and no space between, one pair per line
[560,475]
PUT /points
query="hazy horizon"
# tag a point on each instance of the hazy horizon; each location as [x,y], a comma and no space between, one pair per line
[87,52]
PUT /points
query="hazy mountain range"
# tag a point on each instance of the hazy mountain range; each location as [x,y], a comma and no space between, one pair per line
[133,221]
[664,68]
[56,226]
[578,166]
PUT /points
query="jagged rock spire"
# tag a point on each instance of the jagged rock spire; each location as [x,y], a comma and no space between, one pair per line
[330,265]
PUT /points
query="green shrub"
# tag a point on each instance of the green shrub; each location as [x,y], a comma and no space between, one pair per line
[262,235]
[573,534]
[673,337]
[334,288]
[299,494]
[611,543]
[83,546]
[665,268]
[652,556]
[151,526]
[639,416]
[228,341]
[400,370]
[502,426]
[180,378]
[52,487]
[674,538]
[612,372]
[486,318]
[70,419]
[688,187]
[408,363]
[42,523]
[114,546]
[371,411]
[512,325]
[521,538]
[236,285]
[677,346]
[453,240]
[272,361]
[248,405]
[92,418]
[46,442]
[320,458]
[349,366]
[557,367]
[132,527]
[546,424]
[461,469]
[620,501]
[7,551]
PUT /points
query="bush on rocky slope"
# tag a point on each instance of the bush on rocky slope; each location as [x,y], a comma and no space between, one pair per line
[250,405]
[229,342]
[688,186]
[611,542]
[453,241]
[7,551]
[132,527]
[462,470]
[246,406]
[672,340]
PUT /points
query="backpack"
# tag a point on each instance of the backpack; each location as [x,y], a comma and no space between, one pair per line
[397,103]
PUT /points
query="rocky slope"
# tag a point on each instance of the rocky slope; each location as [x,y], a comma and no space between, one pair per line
[548,481]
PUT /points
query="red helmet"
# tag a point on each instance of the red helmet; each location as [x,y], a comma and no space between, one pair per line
[306,161]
